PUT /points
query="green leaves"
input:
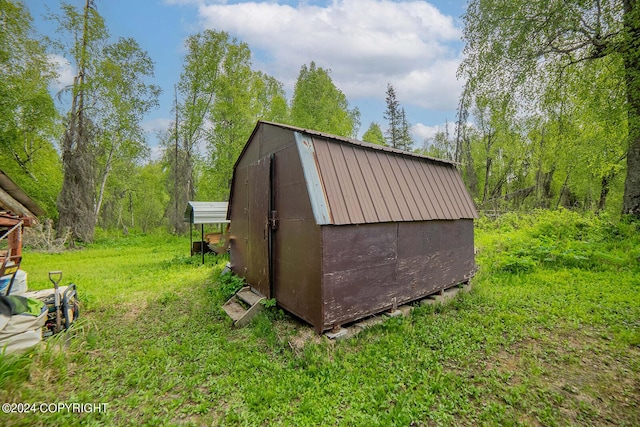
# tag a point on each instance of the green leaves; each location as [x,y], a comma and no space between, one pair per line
[318,104]
[27,112]
[374,135]
[221,98]
[559,67]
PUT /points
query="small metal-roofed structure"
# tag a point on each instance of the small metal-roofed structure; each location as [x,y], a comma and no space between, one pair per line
[204,213]
[14,199]
[337,229]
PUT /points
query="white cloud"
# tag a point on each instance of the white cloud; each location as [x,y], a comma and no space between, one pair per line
[155,126]
[64,70]
[365,43]
[155,153]
[423,132]
[434,86]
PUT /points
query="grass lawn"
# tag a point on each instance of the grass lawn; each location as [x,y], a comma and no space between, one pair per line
[549,335]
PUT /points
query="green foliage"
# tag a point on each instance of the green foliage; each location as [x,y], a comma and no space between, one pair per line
[221,99]
[441,145]
[229,284]
[374,134]
[270,303]
[120,85]
[150,197]
[564,71]
[14,369]
[318,104]
[563,240]
[27,111]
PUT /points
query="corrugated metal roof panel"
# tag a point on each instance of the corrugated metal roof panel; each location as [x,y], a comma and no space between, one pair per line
[206,213]
[366,185]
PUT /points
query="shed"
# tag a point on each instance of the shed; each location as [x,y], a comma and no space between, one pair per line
[204,213]
[337,229]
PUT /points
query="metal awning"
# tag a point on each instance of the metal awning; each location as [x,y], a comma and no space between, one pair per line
[206,213]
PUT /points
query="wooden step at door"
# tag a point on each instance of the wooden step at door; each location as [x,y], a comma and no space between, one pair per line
[248,296]
[243,306]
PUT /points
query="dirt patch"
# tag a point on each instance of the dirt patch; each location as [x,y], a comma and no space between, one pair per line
[302,336]
[578,371]
[132,311]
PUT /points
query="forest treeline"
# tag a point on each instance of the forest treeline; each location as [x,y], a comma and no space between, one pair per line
[549,115]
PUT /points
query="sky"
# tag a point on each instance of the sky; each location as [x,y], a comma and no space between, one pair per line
[366,44]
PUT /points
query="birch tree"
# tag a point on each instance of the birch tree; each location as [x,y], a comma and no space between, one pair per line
[526,48]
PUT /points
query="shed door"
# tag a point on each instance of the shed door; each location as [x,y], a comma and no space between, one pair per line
[259,184]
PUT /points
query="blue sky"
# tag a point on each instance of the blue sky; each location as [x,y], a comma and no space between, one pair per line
[413,45]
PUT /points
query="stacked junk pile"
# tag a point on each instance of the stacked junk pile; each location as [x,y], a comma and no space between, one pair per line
[26,317]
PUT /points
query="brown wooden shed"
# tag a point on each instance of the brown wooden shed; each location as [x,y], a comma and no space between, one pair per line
[337,229]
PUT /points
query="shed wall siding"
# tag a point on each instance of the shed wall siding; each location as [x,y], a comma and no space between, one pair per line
[359,267]
[366,266]
[239,216]
[296,241]
[297,244]
[434,255]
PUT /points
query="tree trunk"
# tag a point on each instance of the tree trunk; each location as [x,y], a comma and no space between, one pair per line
[76,199]
[103,183]
[631,197]
[604,190]
[469,169]
[487,172]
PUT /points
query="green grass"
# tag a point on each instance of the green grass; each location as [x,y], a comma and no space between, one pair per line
[549,335]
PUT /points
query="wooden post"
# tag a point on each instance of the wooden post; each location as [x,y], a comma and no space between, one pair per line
[14,241]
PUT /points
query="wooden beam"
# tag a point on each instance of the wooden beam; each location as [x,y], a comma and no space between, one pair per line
[13,205]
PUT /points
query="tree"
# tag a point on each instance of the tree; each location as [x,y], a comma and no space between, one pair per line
[393,115]
[124,98]
[441,145]
[406,141]
[318,104]
[244,96]
[149,198]
[527,48]
[76,202]
[218,100]
[109,98]
[374,134]
[197,89]
[27,112]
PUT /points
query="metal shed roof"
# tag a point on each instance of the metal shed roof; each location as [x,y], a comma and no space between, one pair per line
[355,182]
[359,183]
[206,213]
